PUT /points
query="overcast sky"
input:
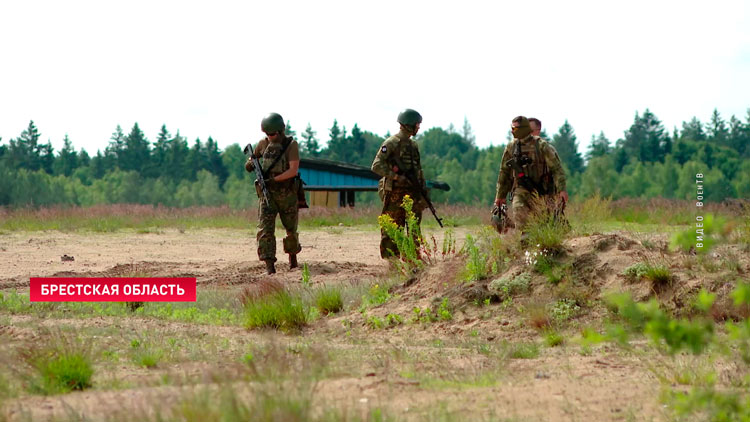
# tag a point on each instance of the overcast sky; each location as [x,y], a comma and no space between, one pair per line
[215,68]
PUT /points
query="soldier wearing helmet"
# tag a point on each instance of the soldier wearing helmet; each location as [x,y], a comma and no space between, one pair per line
[530,168]
[280,161]
[398,156]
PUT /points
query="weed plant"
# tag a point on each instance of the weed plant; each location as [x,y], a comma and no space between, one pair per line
[57,364]
[476,263]
[328,300]
[406,238]
[279,310]
[523,351]
[510,285]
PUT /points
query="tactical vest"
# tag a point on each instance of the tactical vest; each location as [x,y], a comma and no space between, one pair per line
[409,157]
[537,168]
[272,151]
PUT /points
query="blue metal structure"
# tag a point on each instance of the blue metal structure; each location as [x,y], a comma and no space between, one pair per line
[344,178]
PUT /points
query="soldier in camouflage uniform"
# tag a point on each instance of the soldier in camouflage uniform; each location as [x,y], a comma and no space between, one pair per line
[281,182]
[398,156]
[537,172]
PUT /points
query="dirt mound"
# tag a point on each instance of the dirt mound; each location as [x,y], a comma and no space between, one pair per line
[579,277]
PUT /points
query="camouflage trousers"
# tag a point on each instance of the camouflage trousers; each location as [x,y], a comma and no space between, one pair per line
[392,207]
[284,203]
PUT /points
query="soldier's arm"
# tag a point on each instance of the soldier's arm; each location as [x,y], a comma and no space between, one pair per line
[504,180]
[380,165]
[555,167]
[292,155]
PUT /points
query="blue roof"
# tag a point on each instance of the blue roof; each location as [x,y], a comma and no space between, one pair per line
[320,174]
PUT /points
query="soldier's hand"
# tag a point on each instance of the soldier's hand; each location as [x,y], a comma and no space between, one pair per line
[564,196]
[395,169]
[499,202]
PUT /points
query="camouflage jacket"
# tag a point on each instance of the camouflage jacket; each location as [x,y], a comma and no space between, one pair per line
[545,168]
[399,147]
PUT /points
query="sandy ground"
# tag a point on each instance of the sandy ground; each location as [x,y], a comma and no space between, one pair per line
[561,384]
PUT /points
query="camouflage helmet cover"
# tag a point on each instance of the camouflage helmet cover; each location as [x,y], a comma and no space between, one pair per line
[409,117]
[273,122]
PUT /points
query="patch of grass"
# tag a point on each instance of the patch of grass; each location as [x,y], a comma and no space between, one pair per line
[659,275]
[510,285]
[145,355]
[553,338]
[523,351]
[279,310]
[328,300]
[476,263]
[588,216]
[58,364]
[211,308]
[377,295]
[563,310]
[305,275]
[544,229]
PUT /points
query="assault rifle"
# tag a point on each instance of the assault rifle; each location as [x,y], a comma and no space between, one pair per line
[412,178]
[518,163]
[259,178]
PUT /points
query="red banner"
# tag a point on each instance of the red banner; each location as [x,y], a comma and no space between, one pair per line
[112,289]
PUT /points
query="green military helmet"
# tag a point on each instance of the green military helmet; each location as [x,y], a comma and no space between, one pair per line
[409,117]
[522,121]
[272,123]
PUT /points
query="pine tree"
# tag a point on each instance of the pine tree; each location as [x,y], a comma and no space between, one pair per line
[215,164]
[335,149]
[175,165]
[310,144]
[567,148]
[467,133]
[67,160]
[288,131]
[114,153]
[137,153]
[598,147]
[646,139]
[718,133]
[693,130]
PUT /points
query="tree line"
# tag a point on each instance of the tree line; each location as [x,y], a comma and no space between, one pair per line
[647,161]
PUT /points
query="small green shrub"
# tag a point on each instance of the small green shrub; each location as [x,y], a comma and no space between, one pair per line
[406,238]
[60,366]
[524,351]
[563,310]
[328,300]
[377,295]
[279,310]
[444,310]
[553,339]
[544,229]
[476,264]
[509,285]
[658,274]
[305,275]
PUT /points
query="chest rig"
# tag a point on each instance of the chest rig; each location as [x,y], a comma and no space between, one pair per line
[275,160]
[528,166]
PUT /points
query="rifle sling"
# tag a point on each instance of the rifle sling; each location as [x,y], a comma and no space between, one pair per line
[276,160]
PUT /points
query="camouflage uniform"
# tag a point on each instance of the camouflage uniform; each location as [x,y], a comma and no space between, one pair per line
[282,200]
[545,170]
[392,192]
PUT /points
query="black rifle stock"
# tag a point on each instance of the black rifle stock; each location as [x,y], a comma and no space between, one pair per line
[259,178]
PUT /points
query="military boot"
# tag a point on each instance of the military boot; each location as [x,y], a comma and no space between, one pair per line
[270,268]
[292,260]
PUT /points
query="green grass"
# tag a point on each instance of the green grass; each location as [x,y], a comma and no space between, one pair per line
[328,300]
[211,308]
[280,310]
[523,351]
[57,363]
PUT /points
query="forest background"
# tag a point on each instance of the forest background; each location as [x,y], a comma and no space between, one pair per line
[648,161]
